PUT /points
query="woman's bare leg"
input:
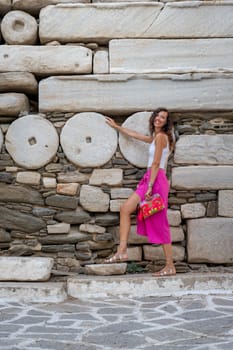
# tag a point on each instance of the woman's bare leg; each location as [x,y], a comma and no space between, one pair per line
[127,208]
[169,268]
[167,248]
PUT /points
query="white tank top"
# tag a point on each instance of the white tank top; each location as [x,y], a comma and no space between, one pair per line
[164,157]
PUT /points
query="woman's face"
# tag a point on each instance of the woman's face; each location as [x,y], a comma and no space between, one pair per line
[160,119]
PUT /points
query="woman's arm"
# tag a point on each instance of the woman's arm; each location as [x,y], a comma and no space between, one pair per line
[128,132]
[161,142]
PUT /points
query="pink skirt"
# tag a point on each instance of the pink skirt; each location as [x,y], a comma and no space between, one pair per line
[156,227]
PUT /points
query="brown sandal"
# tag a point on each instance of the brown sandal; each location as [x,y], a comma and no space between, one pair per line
[166,271]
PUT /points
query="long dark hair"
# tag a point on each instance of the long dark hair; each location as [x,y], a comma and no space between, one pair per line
[167,128]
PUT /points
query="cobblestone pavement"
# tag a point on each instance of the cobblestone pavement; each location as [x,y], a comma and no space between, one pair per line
[166,323]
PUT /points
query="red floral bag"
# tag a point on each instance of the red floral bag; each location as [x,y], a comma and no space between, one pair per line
[150,207]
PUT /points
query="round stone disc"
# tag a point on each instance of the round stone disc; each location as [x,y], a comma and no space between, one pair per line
[32,141]
[87,140]
[19,28]
[1,139]
[135,151]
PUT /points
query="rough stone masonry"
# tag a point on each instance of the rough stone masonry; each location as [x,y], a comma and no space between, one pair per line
[64,173]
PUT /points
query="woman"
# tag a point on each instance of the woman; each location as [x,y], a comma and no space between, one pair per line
[156,227]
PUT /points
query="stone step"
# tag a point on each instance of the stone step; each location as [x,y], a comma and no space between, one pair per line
[144,285]
[33,292]
[13,268]
[135,285]
[106,269]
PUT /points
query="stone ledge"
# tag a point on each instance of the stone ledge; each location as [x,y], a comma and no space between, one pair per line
[12,104]
[135,20]
[98,22]
[141,285]
[170,55]
[46,60]
[178,92]
[203,177]
[34,7]
[210,240]
[204,149]
[18,82]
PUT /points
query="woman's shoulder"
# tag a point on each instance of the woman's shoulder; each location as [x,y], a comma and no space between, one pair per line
[161,137]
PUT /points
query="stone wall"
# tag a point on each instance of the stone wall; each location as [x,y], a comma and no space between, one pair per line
[64,173]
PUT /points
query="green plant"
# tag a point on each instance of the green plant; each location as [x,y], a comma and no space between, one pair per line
[134,268]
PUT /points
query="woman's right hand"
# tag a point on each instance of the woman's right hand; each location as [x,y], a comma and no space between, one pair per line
[111,123]
[128,132]
[148,194]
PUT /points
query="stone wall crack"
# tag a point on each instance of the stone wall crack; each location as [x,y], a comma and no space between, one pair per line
[155,17]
